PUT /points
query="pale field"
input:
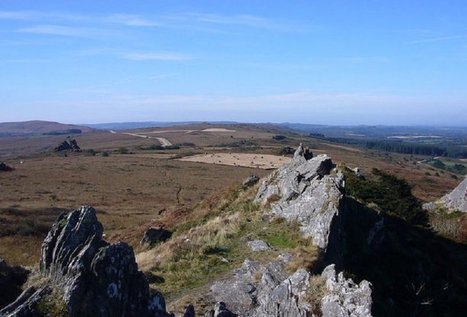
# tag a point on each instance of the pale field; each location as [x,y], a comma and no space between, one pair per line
[263,161]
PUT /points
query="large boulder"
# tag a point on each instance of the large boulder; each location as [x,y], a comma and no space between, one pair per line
[306,191]
[94,278]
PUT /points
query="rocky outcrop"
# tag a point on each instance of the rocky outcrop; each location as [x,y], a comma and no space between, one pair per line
[68,145]
[95,278]
[11,280]
[457,199]
[344,297]
[5,168]
[305,191]
[155,235]
[264,290]
[267,290]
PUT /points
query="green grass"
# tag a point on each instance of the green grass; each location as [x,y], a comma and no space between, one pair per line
[218,243]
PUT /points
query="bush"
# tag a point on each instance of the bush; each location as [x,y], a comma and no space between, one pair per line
[122,150]
[391,194]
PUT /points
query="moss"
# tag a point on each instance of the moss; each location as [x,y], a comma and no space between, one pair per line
[53,306]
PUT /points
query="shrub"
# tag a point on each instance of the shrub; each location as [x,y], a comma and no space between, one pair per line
[390,193]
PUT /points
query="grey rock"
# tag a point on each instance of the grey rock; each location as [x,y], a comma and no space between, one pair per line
[264,290]
[306,191]
[250,181]
[286,299]
[345,298]
[5,168]
[11,280]
[258,245]
[155,235]
[95,278]
[26,304]
[68,145]
[457,199]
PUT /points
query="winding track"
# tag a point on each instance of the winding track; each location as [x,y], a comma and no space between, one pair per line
[163,141]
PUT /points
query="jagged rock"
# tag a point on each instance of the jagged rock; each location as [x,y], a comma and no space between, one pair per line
[241,291]
[306,191]
[302,153]
[155,235]
[286,299]
[258,245]
[68,145]
[457,199]
[275,293]
[250,181]
[26,304]
[95,278]
[345,298]
[5,168]
[11,280]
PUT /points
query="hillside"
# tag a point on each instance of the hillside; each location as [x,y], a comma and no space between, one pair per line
[309,239]
[38,127]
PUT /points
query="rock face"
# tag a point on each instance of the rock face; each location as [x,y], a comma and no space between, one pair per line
[155,235]
[345,298]
[264,290]
[95,278]
[11,280]
[457,199]
[26,304]
[68,145]
[306,191]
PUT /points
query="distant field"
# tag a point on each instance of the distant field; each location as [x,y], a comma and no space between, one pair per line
[263,161]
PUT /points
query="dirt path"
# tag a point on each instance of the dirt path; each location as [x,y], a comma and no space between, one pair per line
[163,141]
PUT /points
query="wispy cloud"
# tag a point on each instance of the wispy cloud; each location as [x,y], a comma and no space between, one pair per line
[188,20]
[439,39]
[244,20]
[160,56]
[130,20]
[60,30]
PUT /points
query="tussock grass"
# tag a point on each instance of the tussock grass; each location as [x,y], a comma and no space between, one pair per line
[206,248]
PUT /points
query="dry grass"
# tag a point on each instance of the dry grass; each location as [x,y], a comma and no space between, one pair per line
[129,193]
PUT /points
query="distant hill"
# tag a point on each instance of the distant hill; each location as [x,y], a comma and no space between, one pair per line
[145,124]
[38,127]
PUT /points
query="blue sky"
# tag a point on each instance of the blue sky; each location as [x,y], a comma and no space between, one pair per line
[325,62]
